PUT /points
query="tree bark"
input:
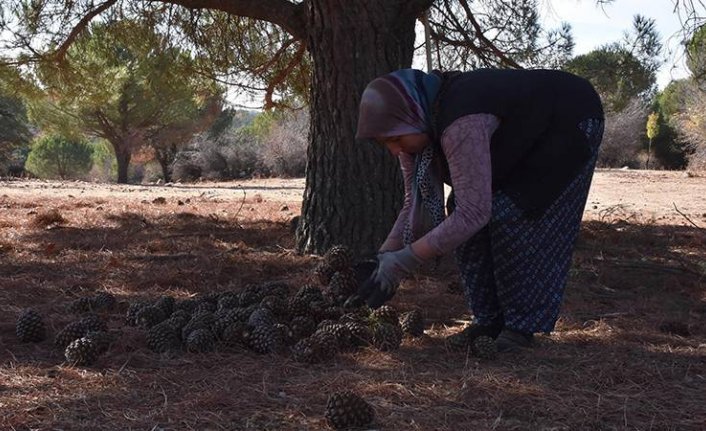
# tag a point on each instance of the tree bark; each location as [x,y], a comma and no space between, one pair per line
[166,173]
[353,188]
[122,158]
[165,157]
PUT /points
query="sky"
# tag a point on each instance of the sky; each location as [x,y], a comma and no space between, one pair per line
[594,26]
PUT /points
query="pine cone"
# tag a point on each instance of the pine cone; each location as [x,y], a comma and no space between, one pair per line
[234,334]
[71,332]
[346,410]
[103,301]
[412,323]
[200,341]
[385,314]
[338,257]
[166,304]
[163,337]
[323,273]
[30,327]
[81,305]
[264,339]
[82,351]
[387,337]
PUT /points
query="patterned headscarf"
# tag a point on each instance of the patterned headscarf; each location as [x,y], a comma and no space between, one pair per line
[401,103]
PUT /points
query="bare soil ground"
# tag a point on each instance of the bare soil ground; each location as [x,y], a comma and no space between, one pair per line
[629,351]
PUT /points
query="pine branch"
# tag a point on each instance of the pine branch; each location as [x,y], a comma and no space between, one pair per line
[479,34]
[282,75]
[290,16]
[60,53]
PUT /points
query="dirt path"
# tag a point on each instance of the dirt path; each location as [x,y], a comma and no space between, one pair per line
[647,196]
[640,196]
[273,189]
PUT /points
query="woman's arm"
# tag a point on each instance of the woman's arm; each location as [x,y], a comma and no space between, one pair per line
[466,144]
[394,239]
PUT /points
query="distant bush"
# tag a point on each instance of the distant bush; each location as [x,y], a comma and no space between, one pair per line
[14,134]
[230,118]
[151,172]
[284,147]
[105,167]
[668,146]
[186,167]
[623,136]
[234,154]
[237,153]
[55,156]
[273,144]
[691,126]
[12,163]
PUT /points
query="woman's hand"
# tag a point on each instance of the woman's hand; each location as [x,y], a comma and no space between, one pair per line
[392,267]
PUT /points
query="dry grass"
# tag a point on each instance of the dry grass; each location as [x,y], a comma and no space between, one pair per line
[607,366]
[46,218]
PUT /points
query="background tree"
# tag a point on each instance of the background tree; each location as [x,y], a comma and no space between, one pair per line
[624,74]
[667,146]
[696,55]
[167,138]
[624,70]
[691,125]
[56,156]
[283,146]
[230,118]
[14,127]
[616,74]
[690,118]
[271,143]
[652,130]
[121,82]
[14,131]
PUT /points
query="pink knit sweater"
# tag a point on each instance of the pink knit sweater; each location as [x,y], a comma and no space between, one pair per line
[466,145]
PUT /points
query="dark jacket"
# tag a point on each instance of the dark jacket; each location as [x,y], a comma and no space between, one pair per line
[537,149]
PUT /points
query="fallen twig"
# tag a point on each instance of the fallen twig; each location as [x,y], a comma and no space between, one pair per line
[242,202]
[686,217]
[611,211]
[125,364]
[175,256]
[655,267]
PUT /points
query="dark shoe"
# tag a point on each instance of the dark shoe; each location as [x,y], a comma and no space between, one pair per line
[512,341]
[464,339]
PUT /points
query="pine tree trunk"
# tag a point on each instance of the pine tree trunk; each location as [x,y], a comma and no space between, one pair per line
[123,160]
[165,157]
[166,172]
[357,184]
